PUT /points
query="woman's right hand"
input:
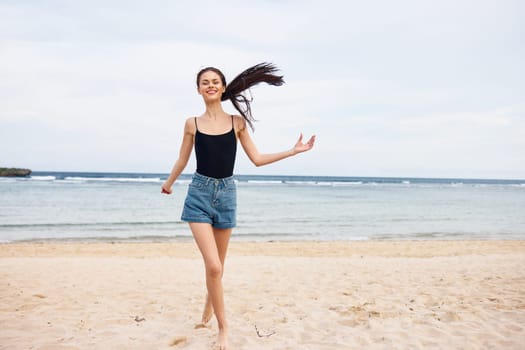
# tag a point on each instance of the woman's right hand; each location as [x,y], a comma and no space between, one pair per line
[165,189]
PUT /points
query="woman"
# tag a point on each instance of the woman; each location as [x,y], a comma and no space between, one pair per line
[210,205]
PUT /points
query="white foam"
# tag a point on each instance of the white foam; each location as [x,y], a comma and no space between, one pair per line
[265,182]
[43,178]
[182,182]
[112,179]
[350,183]
[301,182]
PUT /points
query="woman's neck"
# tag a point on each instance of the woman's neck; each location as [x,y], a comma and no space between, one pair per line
[214,110]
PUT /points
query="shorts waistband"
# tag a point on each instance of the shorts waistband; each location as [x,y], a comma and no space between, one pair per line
[207,180]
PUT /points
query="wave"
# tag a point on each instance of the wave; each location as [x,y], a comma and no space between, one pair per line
[43,178]
[81,179]
[349,183]
[111,179]
[138,238]
[265,182]
[436,235]
[273,180]
[89,224]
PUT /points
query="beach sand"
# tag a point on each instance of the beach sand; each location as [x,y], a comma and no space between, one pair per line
[279,295]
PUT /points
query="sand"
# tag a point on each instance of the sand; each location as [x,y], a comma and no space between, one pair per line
[293,295]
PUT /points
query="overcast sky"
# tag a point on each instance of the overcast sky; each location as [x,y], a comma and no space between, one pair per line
[390,88]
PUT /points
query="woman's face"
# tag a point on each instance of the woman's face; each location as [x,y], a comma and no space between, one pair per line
[210,86]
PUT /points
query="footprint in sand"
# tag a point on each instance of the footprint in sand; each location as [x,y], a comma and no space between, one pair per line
[179,341]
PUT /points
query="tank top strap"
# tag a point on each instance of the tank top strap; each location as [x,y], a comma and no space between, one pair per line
[196,127]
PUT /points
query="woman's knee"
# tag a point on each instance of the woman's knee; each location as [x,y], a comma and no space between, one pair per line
[214,269]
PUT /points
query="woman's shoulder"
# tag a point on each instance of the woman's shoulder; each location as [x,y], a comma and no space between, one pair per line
[190,125]
[239,122]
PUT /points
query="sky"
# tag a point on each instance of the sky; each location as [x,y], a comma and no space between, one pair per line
[390,88]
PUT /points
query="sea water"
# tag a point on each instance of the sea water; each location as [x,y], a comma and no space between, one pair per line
[125,206]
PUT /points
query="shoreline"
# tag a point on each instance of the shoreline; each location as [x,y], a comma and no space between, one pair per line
[279,295]
[303,248]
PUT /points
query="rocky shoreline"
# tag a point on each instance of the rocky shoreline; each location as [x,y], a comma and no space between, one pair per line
[18,172]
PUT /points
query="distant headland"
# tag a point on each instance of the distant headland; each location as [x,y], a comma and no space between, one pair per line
[14,172]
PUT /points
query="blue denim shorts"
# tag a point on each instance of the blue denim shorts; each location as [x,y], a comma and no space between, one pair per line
[212,201]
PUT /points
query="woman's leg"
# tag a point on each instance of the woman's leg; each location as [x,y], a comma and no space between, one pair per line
[222,239]
[213,248]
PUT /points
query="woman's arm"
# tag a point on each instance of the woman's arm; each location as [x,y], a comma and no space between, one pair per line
[184,155]
[262,159]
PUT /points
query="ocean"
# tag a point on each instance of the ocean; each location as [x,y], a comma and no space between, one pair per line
[90,206]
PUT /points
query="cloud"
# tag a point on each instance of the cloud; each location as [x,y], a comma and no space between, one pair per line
[409,88]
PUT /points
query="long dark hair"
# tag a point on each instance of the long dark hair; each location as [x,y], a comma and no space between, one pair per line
[260,73]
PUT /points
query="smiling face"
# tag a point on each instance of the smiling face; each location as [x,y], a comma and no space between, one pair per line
[210,85]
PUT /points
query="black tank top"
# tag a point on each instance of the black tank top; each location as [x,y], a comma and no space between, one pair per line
[215,153]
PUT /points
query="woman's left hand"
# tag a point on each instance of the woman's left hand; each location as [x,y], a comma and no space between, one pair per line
[302,147]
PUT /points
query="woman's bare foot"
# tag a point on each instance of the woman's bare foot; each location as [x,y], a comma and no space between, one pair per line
[222,340]
[207,314]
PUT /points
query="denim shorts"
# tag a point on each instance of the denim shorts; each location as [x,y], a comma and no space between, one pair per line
[212,201]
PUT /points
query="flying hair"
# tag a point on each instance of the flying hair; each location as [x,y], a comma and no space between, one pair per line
[260,73]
